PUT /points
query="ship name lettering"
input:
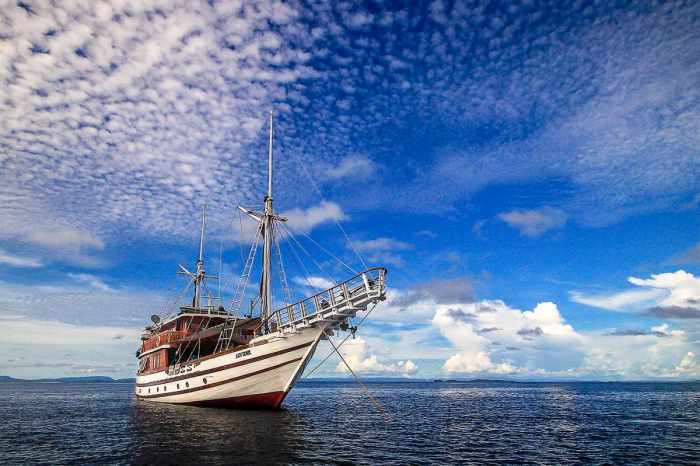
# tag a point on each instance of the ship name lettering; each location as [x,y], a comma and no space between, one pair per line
[243,353]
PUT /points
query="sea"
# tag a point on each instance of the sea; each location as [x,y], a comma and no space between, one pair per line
[328,423]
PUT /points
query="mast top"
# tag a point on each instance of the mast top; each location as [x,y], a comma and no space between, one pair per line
[269,177]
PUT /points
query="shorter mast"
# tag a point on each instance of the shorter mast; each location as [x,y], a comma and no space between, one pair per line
[200,262]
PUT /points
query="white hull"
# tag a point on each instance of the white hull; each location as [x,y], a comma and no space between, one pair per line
[258,375]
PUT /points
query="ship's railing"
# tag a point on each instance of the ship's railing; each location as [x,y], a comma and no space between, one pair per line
[164,338]
[368,285]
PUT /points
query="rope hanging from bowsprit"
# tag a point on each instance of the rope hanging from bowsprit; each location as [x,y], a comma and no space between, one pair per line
[353,374]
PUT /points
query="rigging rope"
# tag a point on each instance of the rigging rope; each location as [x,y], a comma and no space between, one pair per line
[353,374]
[324,250]
[319,193]
[284,227]
[341,343]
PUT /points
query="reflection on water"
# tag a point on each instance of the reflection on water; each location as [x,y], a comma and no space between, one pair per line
[168,434]
[334,423]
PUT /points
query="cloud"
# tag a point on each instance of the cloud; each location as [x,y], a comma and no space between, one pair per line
[428,234]
[530,331]
[384,250]
[534,223]
[476,351]
[17,261]
[666,290]
[315,282]
[675,312]
[455,290]
[70,239]
[46,332]
[691,256]
[307,220]
[354,167]
[120,119]
[357,354]
[91,280]
[72,246]
[382,244]
[618,301]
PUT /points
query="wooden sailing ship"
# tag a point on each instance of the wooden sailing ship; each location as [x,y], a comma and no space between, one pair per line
[204,354]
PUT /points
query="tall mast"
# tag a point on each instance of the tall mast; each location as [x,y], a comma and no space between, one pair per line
[265,292]
[200,262]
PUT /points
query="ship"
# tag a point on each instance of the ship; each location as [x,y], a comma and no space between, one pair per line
[205,354]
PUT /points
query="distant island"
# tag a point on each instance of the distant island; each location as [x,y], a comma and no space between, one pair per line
[95,378]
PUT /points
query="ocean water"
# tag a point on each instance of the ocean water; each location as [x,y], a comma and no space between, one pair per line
[335,423]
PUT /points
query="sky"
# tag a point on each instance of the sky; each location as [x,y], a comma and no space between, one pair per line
[528,172]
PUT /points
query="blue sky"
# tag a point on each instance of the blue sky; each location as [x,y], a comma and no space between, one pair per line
[528,172]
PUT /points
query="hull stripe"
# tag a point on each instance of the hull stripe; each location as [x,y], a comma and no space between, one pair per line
[216,384]
[221,368]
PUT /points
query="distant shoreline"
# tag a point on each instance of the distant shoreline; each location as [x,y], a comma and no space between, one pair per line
[105,379]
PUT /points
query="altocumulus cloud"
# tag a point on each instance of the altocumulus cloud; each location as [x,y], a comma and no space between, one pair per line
[122,115]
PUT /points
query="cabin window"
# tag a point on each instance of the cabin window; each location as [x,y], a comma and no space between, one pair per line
[193,325]
[156,361]
[165,388]
[149,390]
[187,384]
[204,380]
[178,386]
[157,389]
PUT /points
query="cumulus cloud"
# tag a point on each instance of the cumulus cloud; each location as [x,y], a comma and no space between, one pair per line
[534,223]
[476,349]
[357,354]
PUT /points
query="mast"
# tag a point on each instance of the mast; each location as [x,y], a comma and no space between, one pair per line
[200,263]
[265,292]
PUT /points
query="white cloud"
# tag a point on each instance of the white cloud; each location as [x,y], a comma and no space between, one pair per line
[316,282]
[91,280]
[17,261]
[71,239]
[357,354]
[355,168]
[464,328]
[70,245]
[618,301]
[679,289]
[45,332]
[307,220]
[382,244]
[689,367]
[534,223]
[384,251]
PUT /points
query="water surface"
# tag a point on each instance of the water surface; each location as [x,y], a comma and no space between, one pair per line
[335,423]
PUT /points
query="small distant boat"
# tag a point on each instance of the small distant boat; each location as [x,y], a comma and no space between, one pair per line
[207,355]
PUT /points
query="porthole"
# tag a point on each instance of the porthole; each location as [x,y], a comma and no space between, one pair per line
[165,389]
[140,390]
[149,390]
[178,386]
[204,380]
[157,389]
[187,384]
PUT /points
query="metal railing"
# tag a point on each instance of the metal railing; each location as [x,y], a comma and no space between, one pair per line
[368,285]
[164,338]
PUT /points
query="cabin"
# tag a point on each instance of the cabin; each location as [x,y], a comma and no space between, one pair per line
[190,335]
